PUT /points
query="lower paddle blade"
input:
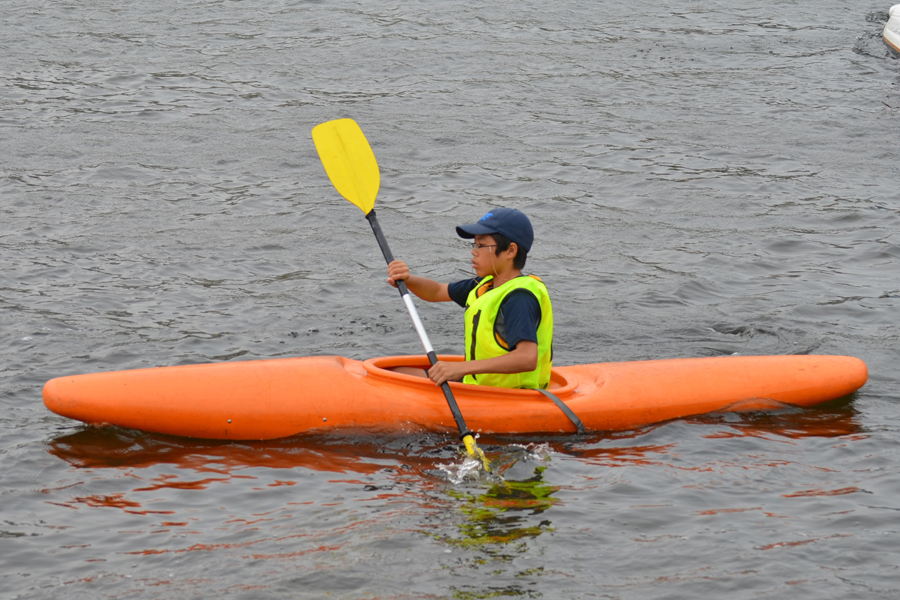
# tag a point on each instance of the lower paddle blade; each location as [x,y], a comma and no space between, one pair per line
[475,452]
[349,161]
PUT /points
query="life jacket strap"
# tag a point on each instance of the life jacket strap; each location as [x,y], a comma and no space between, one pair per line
[566,410]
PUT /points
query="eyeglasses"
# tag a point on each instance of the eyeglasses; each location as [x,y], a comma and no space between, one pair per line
[478,247]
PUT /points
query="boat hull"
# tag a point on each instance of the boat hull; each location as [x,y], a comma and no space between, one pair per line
[891,32]
[268,399]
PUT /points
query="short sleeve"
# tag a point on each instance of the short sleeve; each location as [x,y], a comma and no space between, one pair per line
[521,316]
[459,290]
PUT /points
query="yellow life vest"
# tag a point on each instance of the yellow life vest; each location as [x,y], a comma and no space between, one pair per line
[483,340]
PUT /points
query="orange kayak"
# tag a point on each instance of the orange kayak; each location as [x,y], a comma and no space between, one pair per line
[268,399]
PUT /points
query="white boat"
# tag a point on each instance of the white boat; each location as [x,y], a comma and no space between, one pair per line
[891,32]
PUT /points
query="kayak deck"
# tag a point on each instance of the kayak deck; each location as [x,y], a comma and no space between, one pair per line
[268,399]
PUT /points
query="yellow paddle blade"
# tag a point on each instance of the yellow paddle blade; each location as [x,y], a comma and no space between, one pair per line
[474,451]
[349,161]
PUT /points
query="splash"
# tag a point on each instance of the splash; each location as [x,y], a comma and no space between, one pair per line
[471,469]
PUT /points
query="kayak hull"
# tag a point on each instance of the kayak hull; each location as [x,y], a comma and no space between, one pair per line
[268,399]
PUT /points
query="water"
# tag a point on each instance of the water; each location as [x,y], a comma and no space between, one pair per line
[704,178]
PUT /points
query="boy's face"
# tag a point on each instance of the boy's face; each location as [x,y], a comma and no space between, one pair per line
[484,258]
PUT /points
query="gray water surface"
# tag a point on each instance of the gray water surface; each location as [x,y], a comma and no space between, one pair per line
[705,178]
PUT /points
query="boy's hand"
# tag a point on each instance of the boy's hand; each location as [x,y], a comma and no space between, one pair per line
[397,271]
[442,371]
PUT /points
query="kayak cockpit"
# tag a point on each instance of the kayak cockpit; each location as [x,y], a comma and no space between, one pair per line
[381,368]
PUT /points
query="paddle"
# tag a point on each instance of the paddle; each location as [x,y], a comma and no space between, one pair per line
[350,163]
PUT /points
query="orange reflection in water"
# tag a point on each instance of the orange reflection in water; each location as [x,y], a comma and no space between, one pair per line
[828,428]
[833,420]
[117,501]
[407,475]
[817,492]
[112,447]
[195,465]
[795,543]
[313,536]
[168,481]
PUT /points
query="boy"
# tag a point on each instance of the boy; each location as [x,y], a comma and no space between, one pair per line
[509,319]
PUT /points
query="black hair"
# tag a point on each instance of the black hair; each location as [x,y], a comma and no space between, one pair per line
[503,243]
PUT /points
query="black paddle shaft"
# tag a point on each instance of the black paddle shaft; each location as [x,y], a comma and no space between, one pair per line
[404,293]
[385,249]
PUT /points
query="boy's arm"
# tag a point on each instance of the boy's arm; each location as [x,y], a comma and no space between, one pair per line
[424,288]
[521,360]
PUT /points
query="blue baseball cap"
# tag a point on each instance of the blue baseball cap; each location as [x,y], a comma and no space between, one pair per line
[508,222]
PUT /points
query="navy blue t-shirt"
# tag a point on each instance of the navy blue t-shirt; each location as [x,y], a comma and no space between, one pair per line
[519,316]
